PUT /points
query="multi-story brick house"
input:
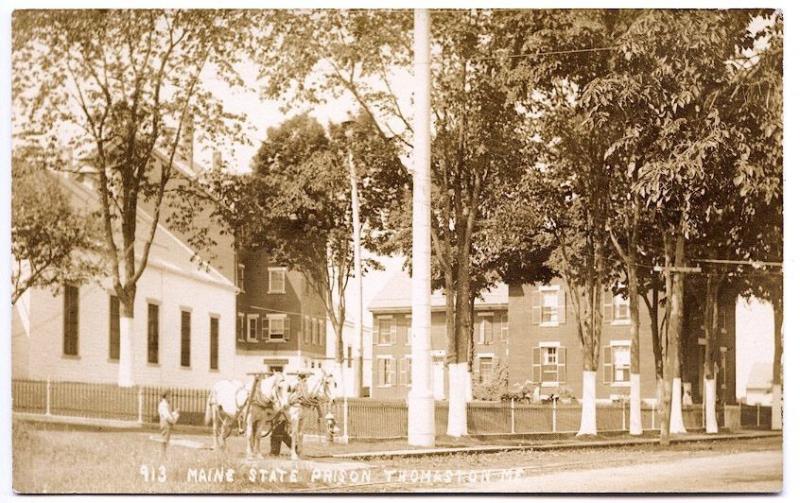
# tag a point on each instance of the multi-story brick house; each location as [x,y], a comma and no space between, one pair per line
[281,321]
[532,330]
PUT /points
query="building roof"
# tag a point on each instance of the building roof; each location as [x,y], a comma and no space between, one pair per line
[396,296]
[760,376]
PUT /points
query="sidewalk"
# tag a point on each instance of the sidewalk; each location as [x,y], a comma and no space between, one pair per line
[550,446]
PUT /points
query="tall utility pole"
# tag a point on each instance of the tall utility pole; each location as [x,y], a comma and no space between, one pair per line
[421,425]
[358,365]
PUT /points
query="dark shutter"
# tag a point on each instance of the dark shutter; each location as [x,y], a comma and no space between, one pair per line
[287,328]
[537,365]
[537,307]
[608,365]
[152,333]
[562,364]
[608,307]
[562,307]
[213,341]
[113,327]
[186,339]
[70,344]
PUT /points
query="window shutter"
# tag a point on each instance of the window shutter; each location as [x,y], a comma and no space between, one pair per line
[537,307]
[537,365]
[562,307]
[608,364]
[393,336]
[608,307]
[264,327]
[287,328]
[562,364]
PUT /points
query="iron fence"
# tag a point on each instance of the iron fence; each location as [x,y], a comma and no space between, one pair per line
[362,418]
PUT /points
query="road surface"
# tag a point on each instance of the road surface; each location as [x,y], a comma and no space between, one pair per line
[760,471]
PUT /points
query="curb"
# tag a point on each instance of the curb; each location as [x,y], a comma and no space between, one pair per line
[489,449]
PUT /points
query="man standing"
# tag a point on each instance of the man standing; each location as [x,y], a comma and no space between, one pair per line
[167,418]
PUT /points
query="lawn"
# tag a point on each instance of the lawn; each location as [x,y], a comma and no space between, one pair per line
[50,458]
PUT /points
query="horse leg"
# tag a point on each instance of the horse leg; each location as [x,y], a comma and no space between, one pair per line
[257,439]
[249,435]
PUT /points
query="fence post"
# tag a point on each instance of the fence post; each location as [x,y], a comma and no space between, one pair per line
[140,401]
[555,429]
[47,397]
[513,428]
[758,414]
[346,420]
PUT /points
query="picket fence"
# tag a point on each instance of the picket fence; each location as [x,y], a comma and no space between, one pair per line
[362,418]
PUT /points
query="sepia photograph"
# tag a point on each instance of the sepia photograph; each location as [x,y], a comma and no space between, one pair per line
[420,250]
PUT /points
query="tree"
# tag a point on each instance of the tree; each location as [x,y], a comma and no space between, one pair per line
[52,242]
[125,87]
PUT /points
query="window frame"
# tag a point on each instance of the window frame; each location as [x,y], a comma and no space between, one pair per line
[240,272]
[386,371]
[186,338]
[544,350]
[153,333]
[71,314]
[545,291]
[254,318]
[270,287]
[113,328]
[270,318]
[613,345]
[213,342]
[391,323]
[616,302]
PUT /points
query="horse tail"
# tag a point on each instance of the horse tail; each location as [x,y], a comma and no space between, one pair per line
[209,407]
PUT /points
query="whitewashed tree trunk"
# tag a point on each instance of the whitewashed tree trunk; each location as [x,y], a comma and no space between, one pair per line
[676,411]
[126,337]
[636,405]
[589,404]
[710,395]
[457,408]
[777,409]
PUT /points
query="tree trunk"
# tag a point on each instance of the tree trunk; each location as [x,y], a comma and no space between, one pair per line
[127,336]
[777,374]
[674,334]
[635,426]
[458,371]
[711,325]
[592,328]
[665,380]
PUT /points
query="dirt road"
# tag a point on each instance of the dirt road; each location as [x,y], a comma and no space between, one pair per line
[739,472]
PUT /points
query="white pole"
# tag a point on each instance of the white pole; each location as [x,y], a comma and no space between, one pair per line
[421,426]
[359,336]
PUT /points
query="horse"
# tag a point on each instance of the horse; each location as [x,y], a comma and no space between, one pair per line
[266,406]
[224,405]
[305,390]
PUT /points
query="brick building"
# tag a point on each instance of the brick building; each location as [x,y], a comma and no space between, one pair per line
[532,330]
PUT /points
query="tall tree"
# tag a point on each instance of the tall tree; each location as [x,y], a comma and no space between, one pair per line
[52,242]
[122,88]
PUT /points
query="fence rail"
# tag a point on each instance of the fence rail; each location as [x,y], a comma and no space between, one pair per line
[356,418]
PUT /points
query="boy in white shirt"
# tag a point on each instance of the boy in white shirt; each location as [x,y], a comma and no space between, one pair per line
[167,417]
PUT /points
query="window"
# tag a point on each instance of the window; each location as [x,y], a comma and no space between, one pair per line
[186,338]
[252,328]
[404,330]
[276,327]
[485,368]
[113,327]
[240,327]
[621,308]
[385,371]
[503,326]
[213,342]
[240,277]
[404,371]
[70,320]
[277,280]
[485,328]
[549,307]
[349,357]
[314,331]
[617,363]
[549,364]
[152,333]
[385,329]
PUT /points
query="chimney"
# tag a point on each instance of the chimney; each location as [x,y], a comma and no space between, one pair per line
[186,143]
[216,161]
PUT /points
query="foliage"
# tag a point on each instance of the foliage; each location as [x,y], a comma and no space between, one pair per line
[52,242]
[121,88]
[495,387]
